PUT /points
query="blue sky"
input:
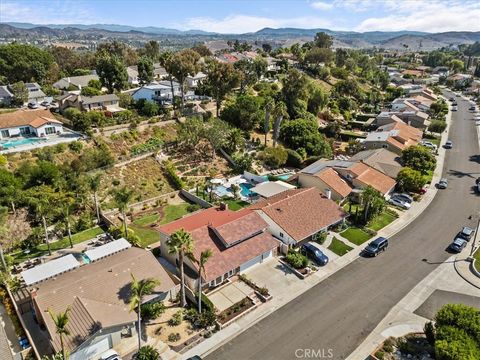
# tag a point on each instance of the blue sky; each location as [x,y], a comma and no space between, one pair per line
[238,16]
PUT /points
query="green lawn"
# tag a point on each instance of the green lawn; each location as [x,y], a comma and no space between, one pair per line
[339,247]
[477,258]
[382,220]
[355,235]
[147,220]
[147,236]
[174,212]
[42,249]
[236,204]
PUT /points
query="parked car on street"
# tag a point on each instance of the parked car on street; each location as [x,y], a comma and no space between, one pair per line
[454,108]
[376,246]
[448,144]
[45,103]
[466,233]
[400,202]
[442,184]
[32,105]
[472,108]
[457,245]
[314,253]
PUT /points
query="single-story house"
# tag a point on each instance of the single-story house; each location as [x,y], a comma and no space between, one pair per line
[157,91]
[409,115]
[412,103]
[298,215]
[382,160]
[394,136]
[195,80]
[460,80]
[238,240]
[74,82]
[338,178]
[268,189]
[97,294]
[25,122]
[108,102]
[6,96]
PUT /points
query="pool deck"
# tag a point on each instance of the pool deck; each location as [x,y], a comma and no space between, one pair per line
[66,137]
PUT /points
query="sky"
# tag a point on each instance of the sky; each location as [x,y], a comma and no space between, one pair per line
[240,16]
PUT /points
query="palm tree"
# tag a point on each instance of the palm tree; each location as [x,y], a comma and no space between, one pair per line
[204,256]
[181,243]
[279,112]
[122,198]
[166,62]
[65,207]
[61,320]
[41,205]
[94,185]
[266,125]
[140,288]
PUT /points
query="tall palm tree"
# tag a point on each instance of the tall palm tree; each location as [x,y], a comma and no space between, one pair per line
[94,185]
[204,256]
[266,124]
[122,198]
[66,203]
[279,112]
[42,207]
[140,288]
[61,321]
[181,243]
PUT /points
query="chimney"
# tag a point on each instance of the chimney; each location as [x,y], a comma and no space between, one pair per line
[328,193]
[68,79]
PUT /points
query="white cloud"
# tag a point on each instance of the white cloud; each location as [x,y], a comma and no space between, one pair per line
[236,24]
[433,16]
[320,5]
[54,12]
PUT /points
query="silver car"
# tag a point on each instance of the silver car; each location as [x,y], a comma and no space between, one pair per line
[442,184]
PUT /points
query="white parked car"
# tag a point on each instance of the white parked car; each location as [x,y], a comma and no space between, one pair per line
[429,145]
[110,355]
[454,108]
[400,202]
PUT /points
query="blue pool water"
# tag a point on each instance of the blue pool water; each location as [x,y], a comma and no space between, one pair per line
[222,191]
[245,189]
[18,142]
[284,177]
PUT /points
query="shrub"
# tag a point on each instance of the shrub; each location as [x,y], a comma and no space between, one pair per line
[176,319]
[297,260]
[173,337]
[156,252]
[429,331]
[437,126]
[294,159]
[75,146]
[171,172]
[275,156]
[147,352]
[151,144]
[380,354]
[152,310]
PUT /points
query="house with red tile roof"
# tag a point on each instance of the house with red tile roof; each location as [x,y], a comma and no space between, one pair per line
[238,240]
[298,215]
[395,136]
[24,122]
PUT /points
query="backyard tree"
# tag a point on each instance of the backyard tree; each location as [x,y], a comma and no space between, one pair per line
[147,352]
[204,257]
[122,198]
[269,105]
[373,203]
[112,71]
[437,126]
[244,112]
[66,203]
[410,180]
[303,133]
[152,50]
[419,158]
[138,290]
[10,189]
[317,55]
[94,182]
[275,156]
[166,60]
[181,65]
[295,87]
[222,78]
[279,112]
[216,133]
[181,244]
[190,132]
[20,93]
[61,321]
[145,70]
[323,40]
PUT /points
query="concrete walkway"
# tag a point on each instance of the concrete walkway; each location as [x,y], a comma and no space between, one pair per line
[288,292]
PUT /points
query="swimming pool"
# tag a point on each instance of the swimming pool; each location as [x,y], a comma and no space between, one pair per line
[245,189]
[283,177]
[18,142]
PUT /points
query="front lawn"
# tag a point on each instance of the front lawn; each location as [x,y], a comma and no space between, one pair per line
[236,204]
[382,220]
[339,247]
[147,236]
[42,249]
[477,259]
[355,235]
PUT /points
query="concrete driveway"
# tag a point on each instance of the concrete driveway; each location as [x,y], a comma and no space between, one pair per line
[225,296]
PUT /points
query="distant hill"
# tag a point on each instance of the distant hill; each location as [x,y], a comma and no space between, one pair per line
[395,40]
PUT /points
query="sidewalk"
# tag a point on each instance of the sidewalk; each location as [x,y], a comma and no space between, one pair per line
[288,293]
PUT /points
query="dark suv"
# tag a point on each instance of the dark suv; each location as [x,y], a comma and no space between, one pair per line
[314,253]
[376,246]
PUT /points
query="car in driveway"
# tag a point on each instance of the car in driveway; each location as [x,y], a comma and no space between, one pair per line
[448,144]
[400,202]
[454,108]
[376,246]
[314,253]
[457,245]
[472,108]
[442,184]
[429,145]
[466,233]
[404,197]
[32,105]
[110,355]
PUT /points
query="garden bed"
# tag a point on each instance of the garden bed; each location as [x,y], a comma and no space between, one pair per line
[261,292]
[301,273]
[410,346]
[235,310]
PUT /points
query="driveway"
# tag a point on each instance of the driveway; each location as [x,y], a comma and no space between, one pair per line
[225,296]
[340,312]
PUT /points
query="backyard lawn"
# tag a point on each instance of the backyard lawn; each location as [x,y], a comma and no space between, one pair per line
[339,247]
[355,235]
[147,219]
[42,249]
[382,220]
[236,204]
[174,212]
[147,236]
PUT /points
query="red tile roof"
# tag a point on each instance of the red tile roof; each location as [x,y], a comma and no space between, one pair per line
[301,212]
[240,229]
[330,177]
[370,176]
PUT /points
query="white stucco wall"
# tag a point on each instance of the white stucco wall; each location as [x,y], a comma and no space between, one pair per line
[275,229]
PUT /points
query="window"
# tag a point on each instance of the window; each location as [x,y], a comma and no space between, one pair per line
[50,130]
[5,133]
[281,235]
[25,130]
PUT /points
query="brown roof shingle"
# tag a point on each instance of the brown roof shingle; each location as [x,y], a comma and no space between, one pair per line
[333,179]
[370,176]
[301,212]
[26,117]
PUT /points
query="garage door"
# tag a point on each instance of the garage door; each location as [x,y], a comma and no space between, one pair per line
[256,260]
[93,351]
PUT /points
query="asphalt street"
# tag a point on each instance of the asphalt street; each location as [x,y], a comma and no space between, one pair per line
[330,320]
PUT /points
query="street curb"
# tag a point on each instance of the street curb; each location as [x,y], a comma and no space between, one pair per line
[460,273]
